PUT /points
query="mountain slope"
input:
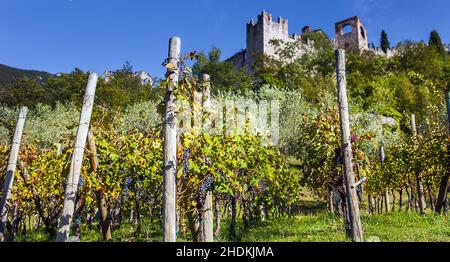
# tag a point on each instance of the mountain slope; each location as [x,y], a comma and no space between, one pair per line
[9,74]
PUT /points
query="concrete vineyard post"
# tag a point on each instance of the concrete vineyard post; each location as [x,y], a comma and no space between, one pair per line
[11,169]
[73,177]
[349,175]
[170,143]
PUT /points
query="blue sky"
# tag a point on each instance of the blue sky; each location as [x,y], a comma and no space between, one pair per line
[96,35]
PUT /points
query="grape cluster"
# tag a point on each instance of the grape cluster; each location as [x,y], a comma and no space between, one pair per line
[241,174]
[258,190]
[128,181]
[186,165]
[262,186]
[80,182]
[206,186]
[338,156]
[353,138]
[209,183]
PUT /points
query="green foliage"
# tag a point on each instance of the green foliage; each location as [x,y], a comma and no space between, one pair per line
[23,91]
[239,165]
[65,88]
[318,150]
[310,72]
[130,171]
[121,90]
[419,58]
[45,125]
[424,154]
[224,76]
[124,89]
[141,116]
[292,107]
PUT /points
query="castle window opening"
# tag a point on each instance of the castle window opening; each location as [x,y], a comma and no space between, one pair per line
[363,33]
[346,29]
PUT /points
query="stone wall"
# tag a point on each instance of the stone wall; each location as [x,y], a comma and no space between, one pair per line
[389,53]
[239,60]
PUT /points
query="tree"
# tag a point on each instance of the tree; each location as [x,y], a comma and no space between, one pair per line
[385,45]
[224,76]
[214,55]
[435,43]
[23,91]
[418,57]
[127,68]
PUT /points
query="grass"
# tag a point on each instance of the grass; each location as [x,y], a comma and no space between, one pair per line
[311,224]
[407,227]
[150,232]
[323,227]
[314,224]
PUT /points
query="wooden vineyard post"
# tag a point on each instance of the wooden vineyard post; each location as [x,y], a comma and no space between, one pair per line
[170,143]
[386,191]
[420,195]
[11,169]
[445,181]
[208,230]
[76,163]
[349,176]
[105,223]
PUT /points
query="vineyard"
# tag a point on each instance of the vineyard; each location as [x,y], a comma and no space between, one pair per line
[248,155]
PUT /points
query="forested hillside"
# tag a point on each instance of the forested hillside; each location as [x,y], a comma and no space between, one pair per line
[8,75]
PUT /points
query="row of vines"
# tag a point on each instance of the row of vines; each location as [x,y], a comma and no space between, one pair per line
[122,173]
[399,169]
[247,180]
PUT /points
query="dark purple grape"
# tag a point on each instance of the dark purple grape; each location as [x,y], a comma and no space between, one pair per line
[80,182]
[186,164]
[353,138]
[206,186]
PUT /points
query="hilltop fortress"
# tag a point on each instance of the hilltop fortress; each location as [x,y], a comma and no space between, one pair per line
[350,34]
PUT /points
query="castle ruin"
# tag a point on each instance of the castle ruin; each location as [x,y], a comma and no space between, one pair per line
[259,36]
[350,34]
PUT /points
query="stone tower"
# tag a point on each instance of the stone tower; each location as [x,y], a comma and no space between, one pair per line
[259,36]
[351,34]
[266,29]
